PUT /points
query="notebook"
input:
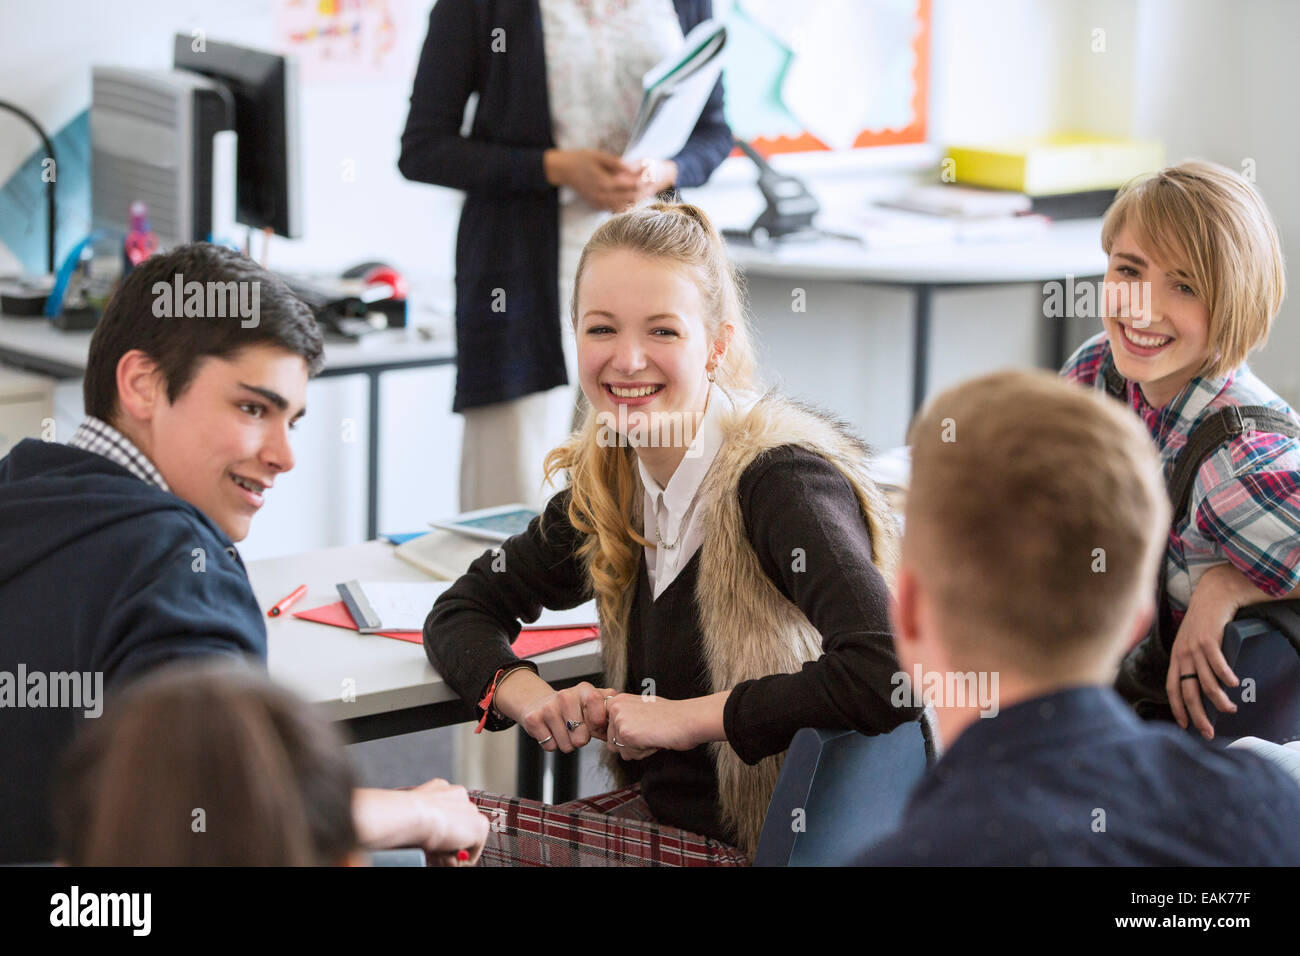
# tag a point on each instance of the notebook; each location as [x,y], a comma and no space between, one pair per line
[441,554]
[675,92]
[1286,756]
[529,643]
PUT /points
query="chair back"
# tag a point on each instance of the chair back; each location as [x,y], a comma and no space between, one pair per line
[1267,664]
[840,792]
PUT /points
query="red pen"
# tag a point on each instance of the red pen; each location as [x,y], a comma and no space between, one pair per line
[288,602]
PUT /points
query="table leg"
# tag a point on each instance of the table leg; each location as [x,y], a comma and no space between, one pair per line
[1059,334]
[1058,342]
[565,770]
[530,768]
[372,460]
[921,344]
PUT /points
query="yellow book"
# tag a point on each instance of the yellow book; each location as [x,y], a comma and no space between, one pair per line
[1066,163]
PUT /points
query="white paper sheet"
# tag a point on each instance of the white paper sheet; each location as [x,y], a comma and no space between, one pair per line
[403,606]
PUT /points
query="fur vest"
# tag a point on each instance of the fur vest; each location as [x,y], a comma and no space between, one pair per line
[750,629]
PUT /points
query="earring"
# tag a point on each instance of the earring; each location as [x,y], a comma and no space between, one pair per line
[712,375]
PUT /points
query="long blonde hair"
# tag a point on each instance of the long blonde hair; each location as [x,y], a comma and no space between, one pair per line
[603,476]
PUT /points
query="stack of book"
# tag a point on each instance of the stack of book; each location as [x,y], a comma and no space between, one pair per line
[968,215]
[1068,176]
[1008,192]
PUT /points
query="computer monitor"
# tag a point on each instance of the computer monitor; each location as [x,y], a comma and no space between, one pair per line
[267,163]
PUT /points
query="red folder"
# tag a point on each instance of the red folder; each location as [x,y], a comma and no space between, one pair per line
[528,644]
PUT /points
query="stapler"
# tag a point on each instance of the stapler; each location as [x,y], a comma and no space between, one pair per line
[790,206]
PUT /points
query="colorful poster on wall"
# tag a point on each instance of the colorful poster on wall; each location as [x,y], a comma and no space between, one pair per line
[342,40]
[826,74]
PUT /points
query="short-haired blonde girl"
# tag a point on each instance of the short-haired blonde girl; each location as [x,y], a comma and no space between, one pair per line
[1196,259]
[737,551]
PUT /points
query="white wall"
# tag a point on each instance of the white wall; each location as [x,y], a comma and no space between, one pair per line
[26,401]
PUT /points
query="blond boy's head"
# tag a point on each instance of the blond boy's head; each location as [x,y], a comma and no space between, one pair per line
[1036,519]
[1210,223]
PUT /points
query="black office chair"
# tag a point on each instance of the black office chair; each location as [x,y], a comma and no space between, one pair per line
[1262,645]
[840,792]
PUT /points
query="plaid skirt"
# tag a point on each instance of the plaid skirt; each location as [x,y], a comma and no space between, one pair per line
[609,829]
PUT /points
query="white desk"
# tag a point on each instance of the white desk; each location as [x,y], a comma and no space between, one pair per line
[36,345]
[396,689]
[1070,248]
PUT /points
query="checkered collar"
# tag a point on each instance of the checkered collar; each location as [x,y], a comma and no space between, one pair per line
[1172,424]
[103,439]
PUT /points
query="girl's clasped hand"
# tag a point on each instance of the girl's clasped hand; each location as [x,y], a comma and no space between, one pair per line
[631,725]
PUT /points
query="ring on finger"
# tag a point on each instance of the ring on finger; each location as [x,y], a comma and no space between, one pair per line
[616,743]
[572,725]
[551,737]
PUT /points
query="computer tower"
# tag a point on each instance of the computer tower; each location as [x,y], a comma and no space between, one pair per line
[151,140]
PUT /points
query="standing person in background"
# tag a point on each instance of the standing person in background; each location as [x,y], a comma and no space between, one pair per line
[558,84]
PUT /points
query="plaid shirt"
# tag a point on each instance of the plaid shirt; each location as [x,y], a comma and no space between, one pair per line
[1245,504]
[103,439]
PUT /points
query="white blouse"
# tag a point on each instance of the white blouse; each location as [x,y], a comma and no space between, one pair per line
[671,512]
[597,51]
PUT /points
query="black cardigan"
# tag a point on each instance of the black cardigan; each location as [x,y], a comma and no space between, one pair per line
[509,226]
[789,497]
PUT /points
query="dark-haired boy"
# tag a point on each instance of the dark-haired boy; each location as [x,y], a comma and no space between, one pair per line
[117,551]
[118,548]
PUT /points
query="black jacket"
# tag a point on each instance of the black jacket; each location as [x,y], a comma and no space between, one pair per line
[509,236]
[100,573]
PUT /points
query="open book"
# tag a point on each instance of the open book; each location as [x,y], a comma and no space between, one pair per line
[1286,756]
[676,90]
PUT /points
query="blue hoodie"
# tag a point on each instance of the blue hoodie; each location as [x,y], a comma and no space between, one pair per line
[105,576]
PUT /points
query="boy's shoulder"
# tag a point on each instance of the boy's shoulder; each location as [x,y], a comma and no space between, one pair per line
[1085,366]
[117,571]
[45,480]
[1042,808]
[69,508]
